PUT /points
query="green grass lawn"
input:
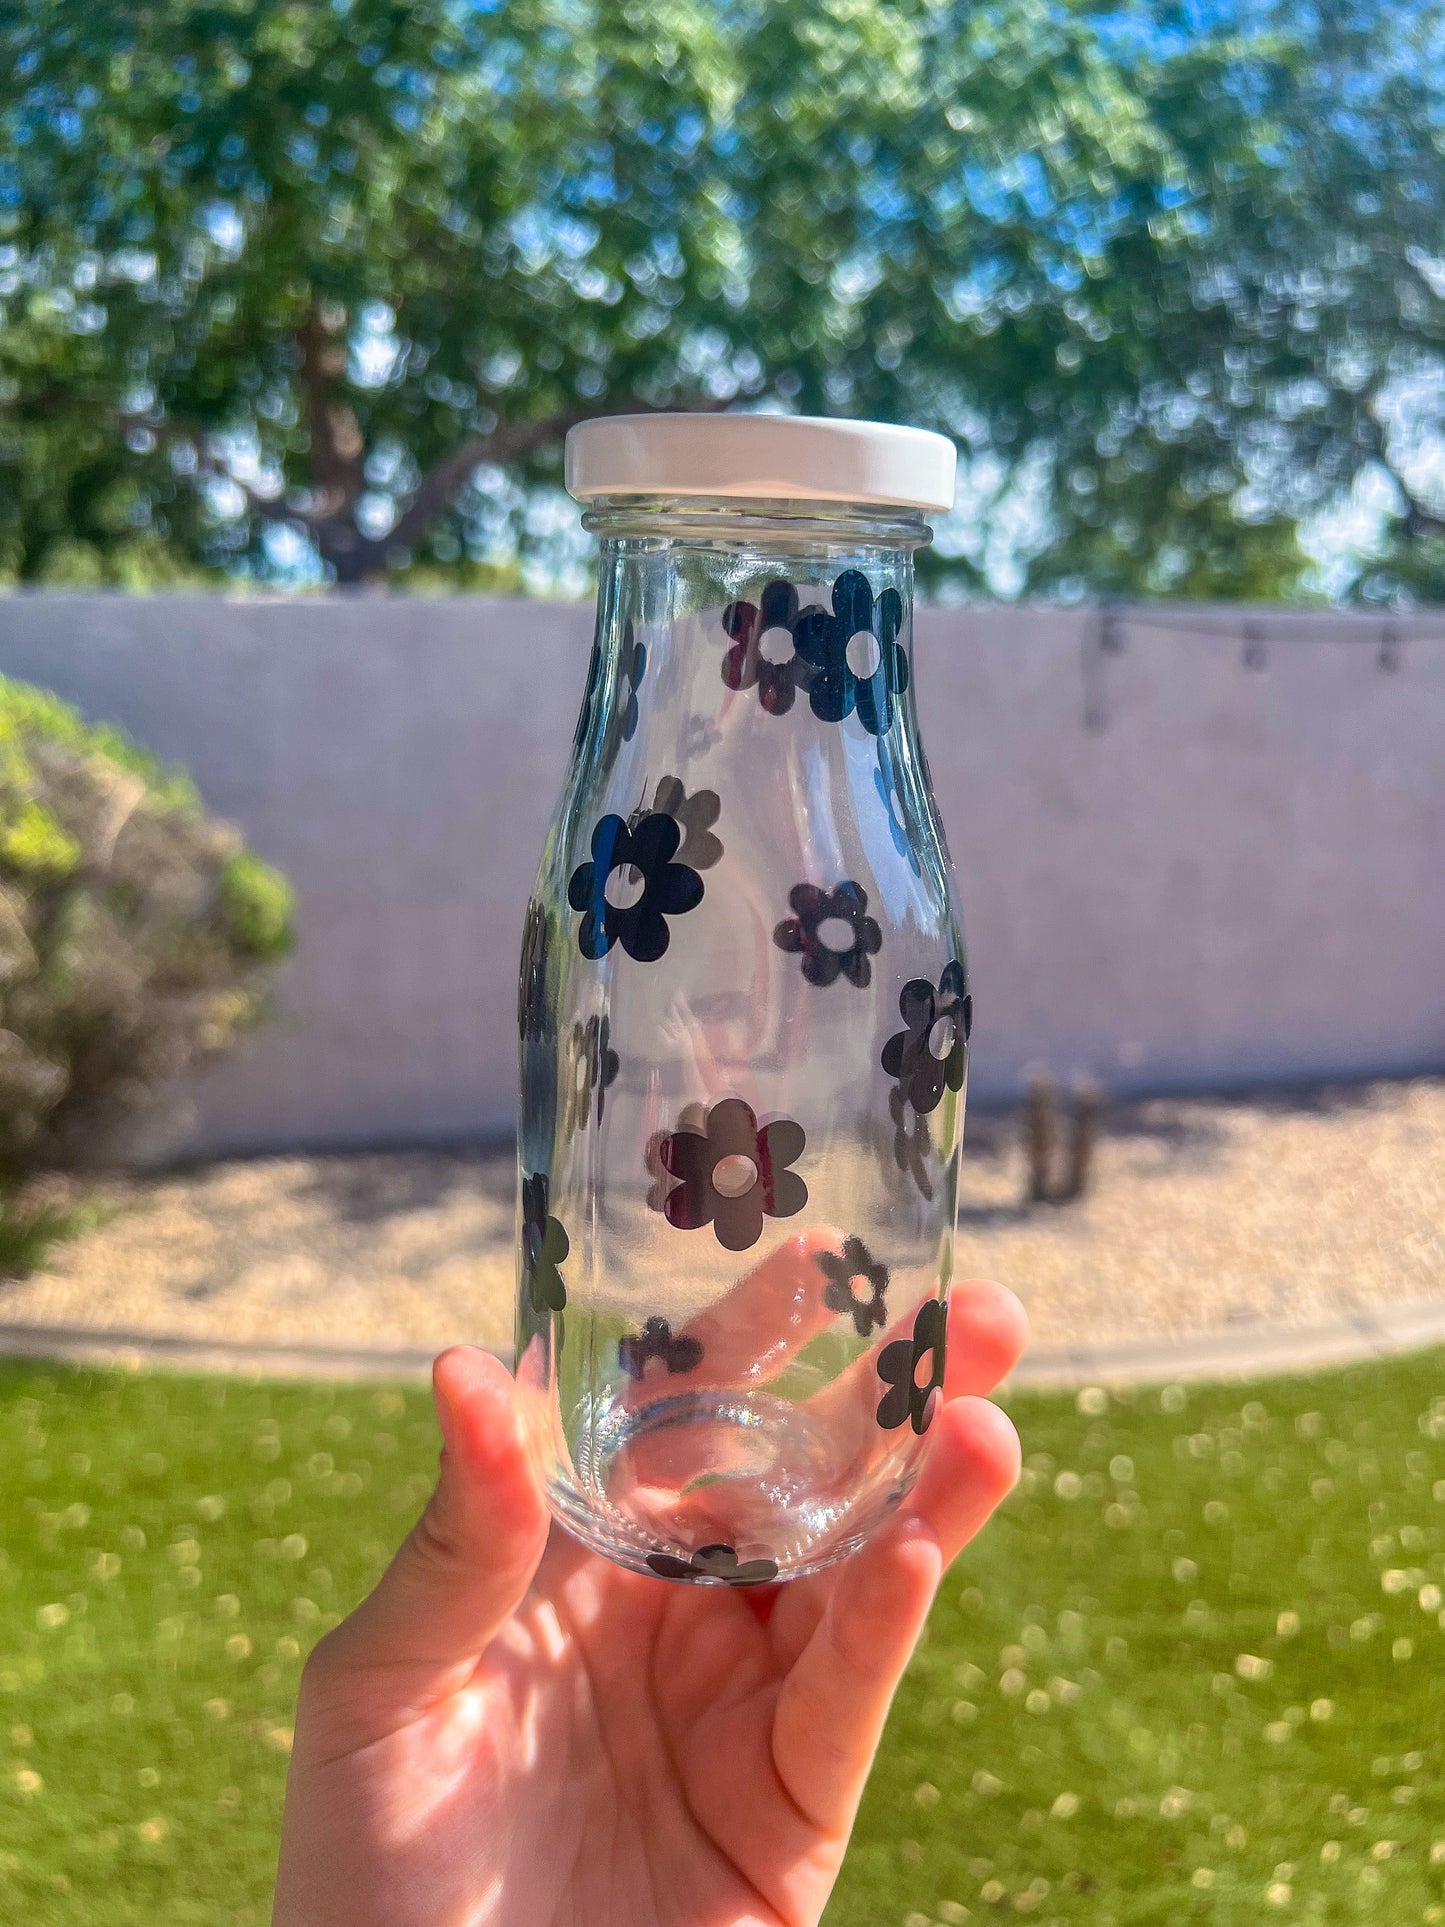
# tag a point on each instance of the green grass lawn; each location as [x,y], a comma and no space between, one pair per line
[1192,1674]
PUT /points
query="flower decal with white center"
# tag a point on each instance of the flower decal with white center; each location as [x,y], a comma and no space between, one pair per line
[859,937]
[857,1285]
[744,665]
[933,1050]
[822,637]
[544,1247]
[717,1563]
[898,1367]
[663,888]
[731,1174]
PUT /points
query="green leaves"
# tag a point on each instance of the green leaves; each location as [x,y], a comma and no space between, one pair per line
[259,907]
[266,265]
[34,846]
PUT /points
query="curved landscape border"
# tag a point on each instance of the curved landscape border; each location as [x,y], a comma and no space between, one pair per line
[1252,1353]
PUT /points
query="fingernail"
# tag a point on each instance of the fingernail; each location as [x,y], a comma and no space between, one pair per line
[445,1418]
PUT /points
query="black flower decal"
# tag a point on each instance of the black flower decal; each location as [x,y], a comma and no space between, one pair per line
[695,814]
[655,1340]
[532,982]
[932,1051]
[799,934]
[911,1145]
[866,1308]
[898,1365]
[544,1246]
[714,1562]
[668,889]
[744,667]
[731,1174]
[821,639]
[885,781]
[631,668]
[593,1068]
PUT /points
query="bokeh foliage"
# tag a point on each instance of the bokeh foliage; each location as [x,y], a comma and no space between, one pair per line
[1165,270]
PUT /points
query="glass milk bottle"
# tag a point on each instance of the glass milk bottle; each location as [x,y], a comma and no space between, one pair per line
[744,1009]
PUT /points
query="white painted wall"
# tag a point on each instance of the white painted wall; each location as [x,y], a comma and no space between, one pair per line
[1235,876]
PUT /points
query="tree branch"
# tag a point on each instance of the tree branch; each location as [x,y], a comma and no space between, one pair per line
[337,447]
[505,443]
[337,452]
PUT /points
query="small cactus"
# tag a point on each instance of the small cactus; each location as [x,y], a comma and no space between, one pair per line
[1041,1139]
[1040,1134]
[1085,1125]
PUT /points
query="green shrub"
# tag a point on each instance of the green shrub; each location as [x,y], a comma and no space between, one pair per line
[136,935]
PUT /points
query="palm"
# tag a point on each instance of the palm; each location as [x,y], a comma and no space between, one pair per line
[604,1748]
[671,1695]
[654,1687]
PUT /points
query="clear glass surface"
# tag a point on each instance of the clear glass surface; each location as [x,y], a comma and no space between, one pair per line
[744,1018]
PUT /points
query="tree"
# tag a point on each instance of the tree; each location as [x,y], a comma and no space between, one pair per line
[282,263]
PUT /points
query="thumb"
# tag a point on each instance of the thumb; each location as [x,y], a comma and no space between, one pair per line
[463,1569]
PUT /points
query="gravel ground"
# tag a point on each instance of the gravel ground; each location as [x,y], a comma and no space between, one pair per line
[1202,1215]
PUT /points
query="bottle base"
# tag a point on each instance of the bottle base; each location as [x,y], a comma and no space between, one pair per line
[723,1487]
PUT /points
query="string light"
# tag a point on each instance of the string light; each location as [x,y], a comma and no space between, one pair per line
[1389,645]
[1107,635]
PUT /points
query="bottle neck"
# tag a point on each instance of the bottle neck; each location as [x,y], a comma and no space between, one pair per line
[813,529]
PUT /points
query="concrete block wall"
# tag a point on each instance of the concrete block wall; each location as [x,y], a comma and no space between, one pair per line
[1178,872]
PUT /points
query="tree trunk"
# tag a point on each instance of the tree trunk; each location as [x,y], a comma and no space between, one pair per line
[355,560]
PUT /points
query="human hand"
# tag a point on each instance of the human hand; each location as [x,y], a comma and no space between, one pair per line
[513,1732]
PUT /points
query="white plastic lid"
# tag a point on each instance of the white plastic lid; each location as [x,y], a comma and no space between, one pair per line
[764,458]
